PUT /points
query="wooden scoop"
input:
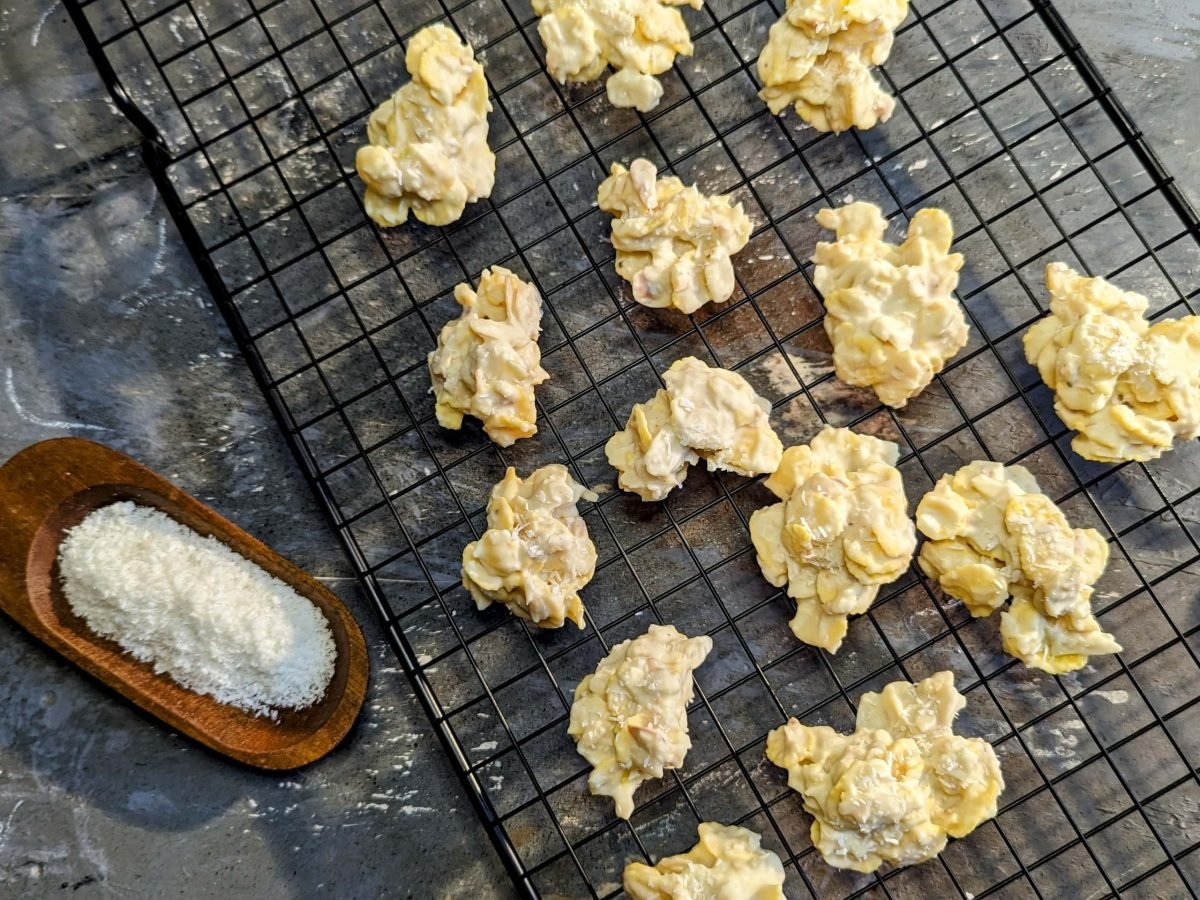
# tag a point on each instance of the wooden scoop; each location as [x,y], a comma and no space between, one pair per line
[50,487]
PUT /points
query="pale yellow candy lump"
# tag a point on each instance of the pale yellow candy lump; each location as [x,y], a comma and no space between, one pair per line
[818,58]
[428,149]
[717,414]
[487,361]
[536,554]
[897,788]
[638,38]
[629,718]
[841,530]
[673,244]
[993,533]
[1131,389]
[649,454]
[704,413]
[728,863]
[890,310]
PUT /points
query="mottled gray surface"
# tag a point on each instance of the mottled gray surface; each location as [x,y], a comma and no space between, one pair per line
[106,331]
[1152,61]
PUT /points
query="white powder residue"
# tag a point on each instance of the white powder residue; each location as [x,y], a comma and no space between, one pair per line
[199,612]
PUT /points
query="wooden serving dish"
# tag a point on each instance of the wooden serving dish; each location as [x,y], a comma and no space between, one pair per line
[49,488]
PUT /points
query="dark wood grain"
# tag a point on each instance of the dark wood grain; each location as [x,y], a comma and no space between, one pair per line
[49,488]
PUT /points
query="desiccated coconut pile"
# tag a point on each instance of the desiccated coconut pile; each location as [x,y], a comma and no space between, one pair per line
[206,616]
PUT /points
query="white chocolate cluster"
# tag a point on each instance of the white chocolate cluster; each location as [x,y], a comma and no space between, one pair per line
[428,149]
[651,459]
[819,56]
[487,361]
[717,414]
[1131,389]
[535,555]
[638,38]
[900,785]
[890,310]
[704,413]
[728,863]
[993,533]
[841,530]
[629,718]
[673,244]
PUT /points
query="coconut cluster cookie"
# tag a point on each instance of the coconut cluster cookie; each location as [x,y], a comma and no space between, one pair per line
[1131,389]
[900,785]
[818,58]
[890,310]
[487,362]
[727,863]
[704,413]
[428,152]
[993,534]
[638,38]
[629,718]
[536,554]
[673,244]
[840,531]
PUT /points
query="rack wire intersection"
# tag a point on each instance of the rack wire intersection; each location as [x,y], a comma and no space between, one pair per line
[251,114]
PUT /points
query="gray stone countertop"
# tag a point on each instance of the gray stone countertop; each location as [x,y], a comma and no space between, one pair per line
[106,331]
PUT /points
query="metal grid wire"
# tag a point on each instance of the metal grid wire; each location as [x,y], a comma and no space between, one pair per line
[256,113]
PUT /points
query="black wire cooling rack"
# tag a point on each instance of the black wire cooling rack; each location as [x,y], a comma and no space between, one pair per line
[251,115]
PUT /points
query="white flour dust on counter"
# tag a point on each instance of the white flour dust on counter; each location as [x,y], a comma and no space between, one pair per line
[199,612]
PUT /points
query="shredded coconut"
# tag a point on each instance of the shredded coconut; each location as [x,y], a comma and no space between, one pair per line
[199,612]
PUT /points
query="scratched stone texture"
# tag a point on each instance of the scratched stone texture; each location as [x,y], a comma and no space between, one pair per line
[107,332]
